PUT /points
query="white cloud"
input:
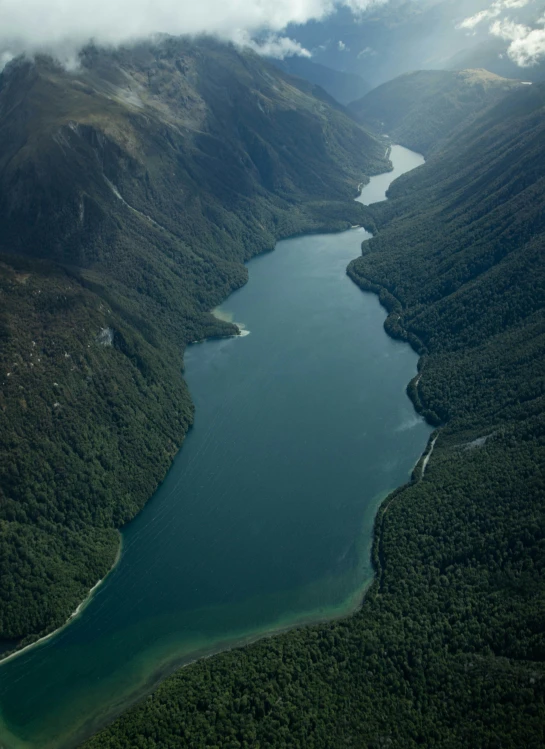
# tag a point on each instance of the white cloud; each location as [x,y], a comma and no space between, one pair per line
[509,4]
[482,15]
[509,30]
[64,26]
[271,45]
[495,10]
[527,45]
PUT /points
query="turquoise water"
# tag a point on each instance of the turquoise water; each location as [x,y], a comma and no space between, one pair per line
[265,519]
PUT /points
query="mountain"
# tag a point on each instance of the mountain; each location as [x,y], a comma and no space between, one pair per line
[344,87]
[131,193]
[423,108]
[448,649]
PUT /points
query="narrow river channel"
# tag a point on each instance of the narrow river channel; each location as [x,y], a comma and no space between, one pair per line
[265,519]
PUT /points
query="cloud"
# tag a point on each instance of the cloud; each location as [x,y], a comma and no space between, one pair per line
[495,10]
[483,15]
[5,57]
[63,27]
[527,45]
[509,30]
[272,45]
[366,52]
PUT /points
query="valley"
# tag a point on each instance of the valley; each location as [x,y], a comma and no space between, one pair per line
[447,649]
[139,191]
[258,527]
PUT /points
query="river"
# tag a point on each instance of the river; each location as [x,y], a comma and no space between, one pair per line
[265,519]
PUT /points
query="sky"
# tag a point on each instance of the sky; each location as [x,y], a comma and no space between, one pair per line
[63,27]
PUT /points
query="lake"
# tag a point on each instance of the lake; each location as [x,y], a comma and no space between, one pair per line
[265,519]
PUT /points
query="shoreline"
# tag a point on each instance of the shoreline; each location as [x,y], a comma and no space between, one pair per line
[74,615]
[354,603]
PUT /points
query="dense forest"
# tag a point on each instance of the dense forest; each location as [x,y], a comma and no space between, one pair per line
[448,648]
[131,193]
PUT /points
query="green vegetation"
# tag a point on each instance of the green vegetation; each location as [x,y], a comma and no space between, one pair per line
[421,110]
[131,193]
[448,648]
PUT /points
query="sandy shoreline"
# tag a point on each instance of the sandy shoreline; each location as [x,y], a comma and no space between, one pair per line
[80,608]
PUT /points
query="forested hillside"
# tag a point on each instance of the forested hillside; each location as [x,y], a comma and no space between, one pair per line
[448,648]
[421,110]
[131,193]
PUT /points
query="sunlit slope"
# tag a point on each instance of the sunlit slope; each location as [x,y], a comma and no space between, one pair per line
[131,192]
[422,109]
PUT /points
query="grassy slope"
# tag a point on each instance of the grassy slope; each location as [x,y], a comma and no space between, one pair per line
[422,109]
[448,647]
[216,154]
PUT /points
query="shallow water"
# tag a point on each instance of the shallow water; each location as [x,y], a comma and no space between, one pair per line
[265,519]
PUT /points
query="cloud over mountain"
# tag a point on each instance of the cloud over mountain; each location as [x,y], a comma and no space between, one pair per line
[62,27]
